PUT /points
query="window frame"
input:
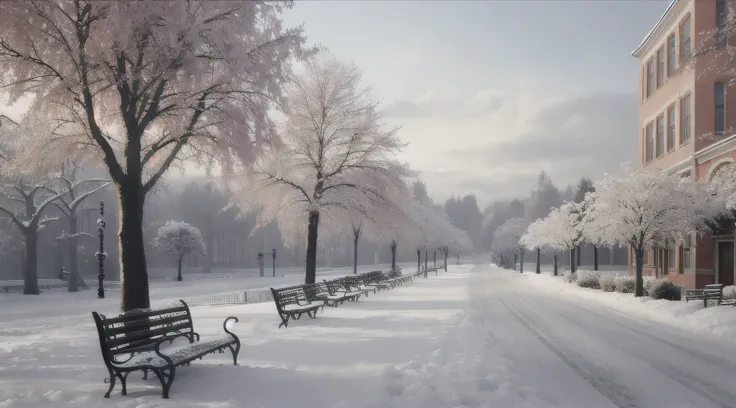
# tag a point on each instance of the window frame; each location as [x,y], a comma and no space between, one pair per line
[649,142]
[719,108]
[671,55]
[659,128]
[671,127]
[721,26]
[686,130]
[660,67]
[650,80]
[686,40]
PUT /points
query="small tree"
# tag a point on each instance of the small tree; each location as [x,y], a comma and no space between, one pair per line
[179,239]
[585,186]
[507,239]
[644,207]
[558,231]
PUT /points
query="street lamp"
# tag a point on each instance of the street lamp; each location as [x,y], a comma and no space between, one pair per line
[101,224]
[273,265]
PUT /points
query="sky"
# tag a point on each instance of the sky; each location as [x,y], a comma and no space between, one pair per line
[489,93]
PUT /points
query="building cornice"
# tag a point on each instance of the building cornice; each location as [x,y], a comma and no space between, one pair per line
[705,154]
[663,22]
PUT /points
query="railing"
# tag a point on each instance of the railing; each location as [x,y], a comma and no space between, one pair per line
[233,298]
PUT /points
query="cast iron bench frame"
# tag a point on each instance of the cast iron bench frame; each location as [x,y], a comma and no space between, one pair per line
[139,334]
[294,295]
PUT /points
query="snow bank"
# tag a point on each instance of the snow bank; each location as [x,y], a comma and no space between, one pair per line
[691,315]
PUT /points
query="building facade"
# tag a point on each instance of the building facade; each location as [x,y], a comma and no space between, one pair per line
[686,126]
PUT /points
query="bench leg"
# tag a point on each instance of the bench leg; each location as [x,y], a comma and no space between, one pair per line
[111,380]
[145,374]
[235,352]
[123,382]
[166,380]
[284,321]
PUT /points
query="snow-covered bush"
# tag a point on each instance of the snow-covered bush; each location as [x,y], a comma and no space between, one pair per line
[570,277]
[607,282]
[648,281]
[665,289]
[729,292]
[588,279]
[625,284]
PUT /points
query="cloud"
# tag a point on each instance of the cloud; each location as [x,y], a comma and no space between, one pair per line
[497,154]
[429,106]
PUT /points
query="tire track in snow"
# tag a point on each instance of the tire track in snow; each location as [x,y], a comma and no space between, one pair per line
[598,377]
[691,382]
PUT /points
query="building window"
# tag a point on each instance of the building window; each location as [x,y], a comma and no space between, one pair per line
[671,55]
[685,46]
[649,141]
[685,115]
[722,31]
[660,136]
[650,77]
[660,67]
[671,128]
[686,253]
[720,125]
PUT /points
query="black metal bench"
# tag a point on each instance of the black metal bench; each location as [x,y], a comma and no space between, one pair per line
[373,279]
[133,342]
[710,292]
[355,284]
[292,302]
[338,293]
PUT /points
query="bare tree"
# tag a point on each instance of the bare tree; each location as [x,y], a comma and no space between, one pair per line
[74,192]
[336,153]
[144,85]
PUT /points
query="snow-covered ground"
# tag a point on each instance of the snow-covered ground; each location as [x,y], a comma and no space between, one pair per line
[691,316]
[475,337]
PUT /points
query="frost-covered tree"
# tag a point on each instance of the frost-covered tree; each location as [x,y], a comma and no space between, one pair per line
[544,197]
[538,237]
[560,231]
[74,192]
[585,186]
[642,208]
[24,200]
[335,153]
[507,239]
[144,85]
[179,239]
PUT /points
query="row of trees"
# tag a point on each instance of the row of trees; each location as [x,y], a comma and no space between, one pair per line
[641,209]
[135,88]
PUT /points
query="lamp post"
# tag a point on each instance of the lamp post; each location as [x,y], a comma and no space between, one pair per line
[101,253]
[273,265]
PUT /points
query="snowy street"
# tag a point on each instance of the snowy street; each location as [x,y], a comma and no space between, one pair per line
[476,336]
[576,353]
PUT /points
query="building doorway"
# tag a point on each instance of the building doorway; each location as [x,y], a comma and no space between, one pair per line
[725,263]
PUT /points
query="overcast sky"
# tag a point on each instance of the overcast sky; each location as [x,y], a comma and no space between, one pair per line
[488,93]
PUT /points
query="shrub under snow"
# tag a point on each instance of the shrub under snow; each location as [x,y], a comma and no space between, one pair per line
[663,288]
[729,292]
[625,284]
[648,281]
[589,279]
[570,277]
[607,282]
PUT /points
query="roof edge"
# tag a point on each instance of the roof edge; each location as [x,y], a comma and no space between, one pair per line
[656,26]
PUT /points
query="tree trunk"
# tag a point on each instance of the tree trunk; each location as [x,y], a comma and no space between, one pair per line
[355,254]
[426,255]
[134,273]
[311,262]
[595,257]
[419,260]
[639,286]
[393,255]
[555,270]
[538,260]
[30,283]
[434,259]
[73,264]
[209,237]
[521,261]
[577,255]
[572,260]
[447,252]
[178,276]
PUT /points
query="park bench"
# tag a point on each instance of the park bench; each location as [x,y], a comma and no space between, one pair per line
[292,302]
[710,292]
[354,284]
[371,279]
[338,294]
[142,340]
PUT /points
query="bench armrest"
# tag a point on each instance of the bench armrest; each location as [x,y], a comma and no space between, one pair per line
[227,325]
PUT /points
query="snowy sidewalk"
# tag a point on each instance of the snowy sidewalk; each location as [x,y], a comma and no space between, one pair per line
[337,359]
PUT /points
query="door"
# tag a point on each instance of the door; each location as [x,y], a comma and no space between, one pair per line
[725,263]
